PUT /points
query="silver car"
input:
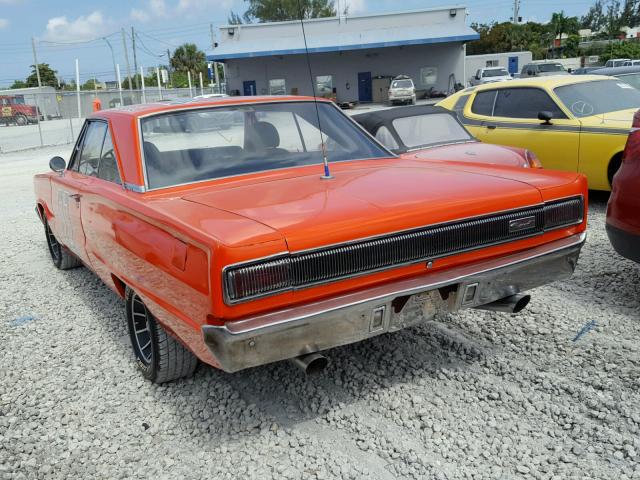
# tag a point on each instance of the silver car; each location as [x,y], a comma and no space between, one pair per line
[402,90]
[490,75]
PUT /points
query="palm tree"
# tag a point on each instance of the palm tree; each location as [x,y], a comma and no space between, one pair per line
[187,58]
[559,25]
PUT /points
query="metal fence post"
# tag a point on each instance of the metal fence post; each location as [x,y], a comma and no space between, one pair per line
[201,85]
[78,88]
[119,84]
[159,86]
[189,78]
[144,96]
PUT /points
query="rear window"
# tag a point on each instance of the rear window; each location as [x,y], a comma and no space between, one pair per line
[550,67]
[483,103]
[433,129]
[402,84]
[495,73]
[203,144]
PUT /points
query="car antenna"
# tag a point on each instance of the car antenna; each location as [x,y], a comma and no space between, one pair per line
[327,174]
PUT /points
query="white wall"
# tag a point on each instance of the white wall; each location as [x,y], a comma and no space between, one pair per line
[344,66]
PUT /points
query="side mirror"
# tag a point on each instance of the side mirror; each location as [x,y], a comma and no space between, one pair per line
[57,164]
[530,73]
[545,116]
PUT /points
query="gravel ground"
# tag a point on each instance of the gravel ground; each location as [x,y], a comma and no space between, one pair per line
[478,395]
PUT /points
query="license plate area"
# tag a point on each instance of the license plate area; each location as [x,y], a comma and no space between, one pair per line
[419,308]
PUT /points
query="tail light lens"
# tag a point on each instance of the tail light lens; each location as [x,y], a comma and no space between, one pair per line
[632,148]
[532,159]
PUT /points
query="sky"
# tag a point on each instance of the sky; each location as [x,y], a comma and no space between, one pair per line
[58,26]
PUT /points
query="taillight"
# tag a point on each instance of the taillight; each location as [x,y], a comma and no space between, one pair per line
[532,159]
[632,148]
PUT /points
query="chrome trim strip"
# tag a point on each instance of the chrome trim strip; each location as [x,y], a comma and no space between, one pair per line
[135,188]
[225,278]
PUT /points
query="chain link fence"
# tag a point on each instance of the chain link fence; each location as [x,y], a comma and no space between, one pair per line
[31,118]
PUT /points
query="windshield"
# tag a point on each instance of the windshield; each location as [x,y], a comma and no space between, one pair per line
[500,72]
[433,129]
[401,84]
[597,97]
[551,67]
[202,144]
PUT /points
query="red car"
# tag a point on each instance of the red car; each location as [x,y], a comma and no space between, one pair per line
[435,134]
[215,222]
[623,217]
[13,109]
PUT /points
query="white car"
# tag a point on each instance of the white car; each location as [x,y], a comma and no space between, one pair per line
[211,95]
[402,90]
[490,75]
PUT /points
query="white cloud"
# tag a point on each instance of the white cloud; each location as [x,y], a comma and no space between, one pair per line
[4,23]
[196,6]
[354,6]
[139,15]
[82,28]
[154,9]
[158,9]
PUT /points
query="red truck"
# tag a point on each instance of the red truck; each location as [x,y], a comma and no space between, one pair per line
[13,109]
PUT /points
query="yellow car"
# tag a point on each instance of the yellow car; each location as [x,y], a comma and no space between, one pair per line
[575,123]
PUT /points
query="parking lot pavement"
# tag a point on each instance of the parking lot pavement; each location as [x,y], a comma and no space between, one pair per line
[54,132]
[479,395]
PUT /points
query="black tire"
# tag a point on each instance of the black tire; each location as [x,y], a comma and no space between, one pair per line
[159,356]
[21,120]
[614,166]
[62,258]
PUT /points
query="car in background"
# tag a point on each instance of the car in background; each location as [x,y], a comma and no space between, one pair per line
[237,249]
[623,210]
[584,70]
[574,123]
[542,69]
[490,75]
[631,63]
[13,109]
[434,133]
[629,74]
[617,62]
[211,95]
[402,90]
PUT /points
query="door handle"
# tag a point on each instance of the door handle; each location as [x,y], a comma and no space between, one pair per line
[491,126]
[75,196]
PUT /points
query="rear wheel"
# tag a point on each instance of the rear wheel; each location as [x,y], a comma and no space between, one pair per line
[160,357]
[614,166]
[61,257]
[21,120]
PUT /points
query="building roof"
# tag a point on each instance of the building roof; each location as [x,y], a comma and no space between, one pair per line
[335,34]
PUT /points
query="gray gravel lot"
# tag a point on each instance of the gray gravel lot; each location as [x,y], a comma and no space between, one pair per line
[480,395]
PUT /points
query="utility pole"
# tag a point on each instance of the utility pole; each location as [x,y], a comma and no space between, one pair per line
[35,62]
[135,58]
[126,59]
[213,37]
[169,67]
[516,11]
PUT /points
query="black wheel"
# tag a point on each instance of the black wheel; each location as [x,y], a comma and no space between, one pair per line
[614,166]
[160,357]
[62,258]
[21,119]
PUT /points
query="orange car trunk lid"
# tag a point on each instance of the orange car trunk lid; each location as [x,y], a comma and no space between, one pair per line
[312,212]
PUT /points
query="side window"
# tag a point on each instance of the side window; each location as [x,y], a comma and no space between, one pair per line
[460,104]
[383,135]
[91,148]
[524,103]
[483,103]
[108,167]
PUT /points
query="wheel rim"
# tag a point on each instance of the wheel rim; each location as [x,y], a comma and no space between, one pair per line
[140,330]
[52,242]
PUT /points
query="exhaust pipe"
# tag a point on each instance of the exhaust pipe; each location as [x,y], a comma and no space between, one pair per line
[311,363]
[512,304]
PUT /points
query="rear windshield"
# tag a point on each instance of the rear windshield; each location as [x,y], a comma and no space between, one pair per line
[427,130]
[550,67]
[401,84]
[495,73]
[203,144]
[598,97]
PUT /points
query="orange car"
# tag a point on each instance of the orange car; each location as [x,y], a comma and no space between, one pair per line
[213,220]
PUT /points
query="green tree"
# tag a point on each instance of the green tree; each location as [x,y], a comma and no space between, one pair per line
[187,58]
[47,76]
[282,10]
[91,84]
[19,84]
[595,19]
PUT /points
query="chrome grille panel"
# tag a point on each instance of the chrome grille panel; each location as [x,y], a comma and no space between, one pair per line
[299,270]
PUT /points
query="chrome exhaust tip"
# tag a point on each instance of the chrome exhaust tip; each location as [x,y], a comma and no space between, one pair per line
[512,304]
[311,364]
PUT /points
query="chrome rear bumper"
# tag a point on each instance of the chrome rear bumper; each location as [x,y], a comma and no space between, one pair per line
[355,316]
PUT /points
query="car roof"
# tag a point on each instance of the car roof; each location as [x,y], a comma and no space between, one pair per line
[141,110]
[377,118]
[494,68]
[551,81]
[617,70]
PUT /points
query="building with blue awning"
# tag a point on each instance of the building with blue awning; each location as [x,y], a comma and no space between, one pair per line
[352,58]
